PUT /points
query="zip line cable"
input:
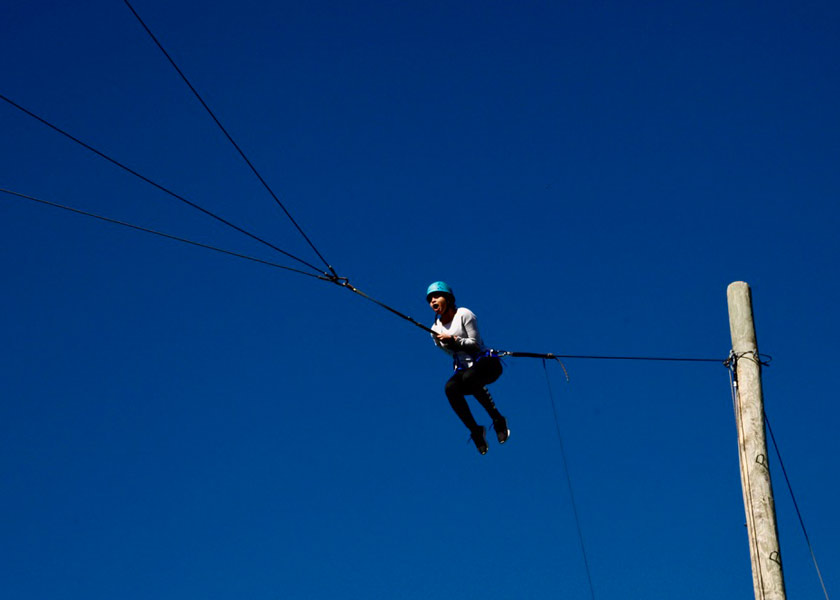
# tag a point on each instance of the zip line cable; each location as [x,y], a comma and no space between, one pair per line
[154,232]
[591,357]
[332,276]
[153,183]
[796,506]
[343,282]
[340,281]
[546,356]
[229,137]
[569,482]
[335,278]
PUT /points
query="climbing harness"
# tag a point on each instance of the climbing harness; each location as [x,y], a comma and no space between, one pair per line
[486,354]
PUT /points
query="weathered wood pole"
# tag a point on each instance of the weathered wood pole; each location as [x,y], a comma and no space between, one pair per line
[768,579]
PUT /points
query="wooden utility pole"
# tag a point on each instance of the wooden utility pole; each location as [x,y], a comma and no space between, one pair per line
[768,579]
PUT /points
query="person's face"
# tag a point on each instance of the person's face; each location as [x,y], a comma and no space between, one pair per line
[439,303]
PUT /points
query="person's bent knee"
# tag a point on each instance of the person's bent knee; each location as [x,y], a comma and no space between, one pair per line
[453,388]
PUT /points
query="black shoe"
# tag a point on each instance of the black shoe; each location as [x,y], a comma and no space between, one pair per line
[479,438]
[501,427]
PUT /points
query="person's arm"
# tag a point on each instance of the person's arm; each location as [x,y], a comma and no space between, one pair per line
[470,343]
[443,341]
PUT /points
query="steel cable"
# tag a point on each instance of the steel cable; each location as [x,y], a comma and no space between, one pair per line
[153,183]
[154,232]
[229,137]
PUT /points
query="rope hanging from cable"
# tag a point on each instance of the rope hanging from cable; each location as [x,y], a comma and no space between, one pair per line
[569,480]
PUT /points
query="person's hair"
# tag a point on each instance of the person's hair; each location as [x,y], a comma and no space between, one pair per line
[450,299]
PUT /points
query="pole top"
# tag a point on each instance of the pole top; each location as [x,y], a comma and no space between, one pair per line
[737,285]
[741,323]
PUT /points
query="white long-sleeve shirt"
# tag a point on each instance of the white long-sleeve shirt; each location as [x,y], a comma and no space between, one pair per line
[469,344]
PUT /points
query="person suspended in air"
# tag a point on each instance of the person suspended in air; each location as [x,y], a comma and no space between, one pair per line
[476,366]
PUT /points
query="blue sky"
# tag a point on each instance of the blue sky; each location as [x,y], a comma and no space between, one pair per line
[589,177]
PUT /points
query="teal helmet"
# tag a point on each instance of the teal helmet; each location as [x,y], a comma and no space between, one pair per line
[440,287]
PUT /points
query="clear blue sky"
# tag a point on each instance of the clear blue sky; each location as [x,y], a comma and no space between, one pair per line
[589,176]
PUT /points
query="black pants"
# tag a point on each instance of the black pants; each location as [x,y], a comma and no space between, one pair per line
[472,381]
